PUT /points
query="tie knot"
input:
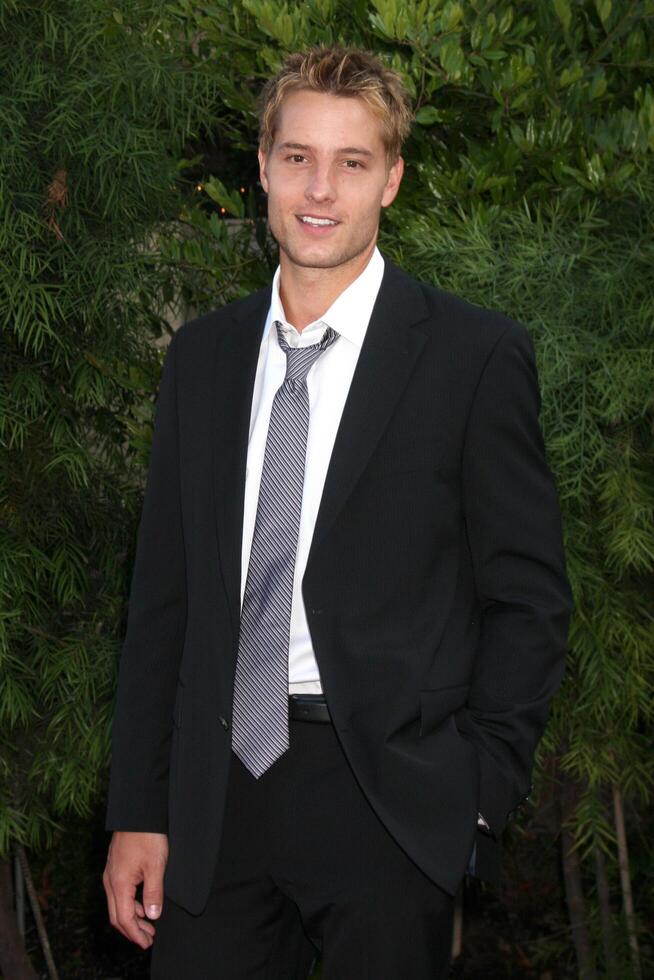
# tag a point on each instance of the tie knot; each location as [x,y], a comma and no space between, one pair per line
[300,359]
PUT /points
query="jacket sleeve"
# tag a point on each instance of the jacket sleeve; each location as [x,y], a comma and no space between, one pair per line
[142,728]
[514,536]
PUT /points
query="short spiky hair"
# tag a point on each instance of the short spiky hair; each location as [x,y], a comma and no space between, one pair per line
[345,72]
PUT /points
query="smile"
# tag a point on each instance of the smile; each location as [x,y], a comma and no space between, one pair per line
[317,222]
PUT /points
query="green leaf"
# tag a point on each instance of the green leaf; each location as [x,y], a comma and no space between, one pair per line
[506,21]
[598,86]
[521,99]
[452,58]
[563,12]
[477,60]
[452,16]
[427,115]
[385,18]
[186,164]
[570,75]
[231,202]
[477,33]
[603,8]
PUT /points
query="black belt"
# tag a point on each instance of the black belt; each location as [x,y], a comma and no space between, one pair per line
[308,707]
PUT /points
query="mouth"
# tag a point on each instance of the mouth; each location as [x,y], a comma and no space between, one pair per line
[316,222]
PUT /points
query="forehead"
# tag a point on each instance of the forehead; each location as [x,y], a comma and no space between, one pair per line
[328,121]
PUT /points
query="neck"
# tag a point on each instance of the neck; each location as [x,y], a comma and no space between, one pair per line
[307,293]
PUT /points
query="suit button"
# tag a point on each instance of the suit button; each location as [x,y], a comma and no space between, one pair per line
[223,722]
[317,612]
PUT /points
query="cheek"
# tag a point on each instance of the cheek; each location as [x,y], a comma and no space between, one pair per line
[284,195]
[275,201]
[366,204]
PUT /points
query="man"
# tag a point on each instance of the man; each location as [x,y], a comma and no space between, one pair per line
[349,606]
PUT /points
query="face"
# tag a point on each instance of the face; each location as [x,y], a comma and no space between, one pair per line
[327,178]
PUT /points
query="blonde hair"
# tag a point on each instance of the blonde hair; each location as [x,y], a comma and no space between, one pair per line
[346,72]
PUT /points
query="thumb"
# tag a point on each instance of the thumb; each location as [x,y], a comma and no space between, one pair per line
[153,894]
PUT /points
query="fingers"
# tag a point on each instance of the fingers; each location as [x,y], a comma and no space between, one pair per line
[115,917]
[153,891]
[134,858]
[132,925]
[144,924]
[118,892]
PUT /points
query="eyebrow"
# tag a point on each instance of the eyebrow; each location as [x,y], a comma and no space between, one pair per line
[351,150]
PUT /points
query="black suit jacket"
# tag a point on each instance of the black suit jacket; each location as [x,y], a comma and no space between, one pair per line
[435,587]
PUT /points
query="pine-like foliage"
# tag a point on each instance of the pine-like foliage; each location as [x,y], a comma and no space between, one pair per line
[96,103]
[528,181]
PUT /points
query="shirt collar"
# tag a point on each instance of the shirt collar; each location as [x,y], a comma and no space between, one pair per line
[348,315]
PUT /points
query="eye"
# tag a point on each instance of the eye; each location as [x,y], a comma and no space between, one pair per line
[354,165]
[296,158]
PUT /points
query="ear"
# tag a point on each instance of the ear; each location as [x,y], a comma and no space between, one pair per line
[262,170]
[393,182]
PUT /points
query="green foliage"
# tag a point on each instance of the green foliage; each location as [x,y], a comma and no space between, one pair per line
[539,100]
[528,179]
[96,103]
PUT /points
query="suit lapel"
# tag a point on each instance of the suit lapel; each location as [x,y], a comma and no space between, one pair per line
[388,355]
[237,352]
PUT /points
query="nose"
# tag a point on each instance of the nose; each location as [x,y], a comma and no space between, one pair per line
[320,186]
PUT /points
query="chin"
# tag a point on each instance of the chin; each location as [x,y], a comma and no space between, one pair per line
[316,258]
[315,261]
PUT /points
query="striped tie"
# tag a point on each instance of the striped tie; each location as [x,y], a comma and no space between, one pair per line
[260,710]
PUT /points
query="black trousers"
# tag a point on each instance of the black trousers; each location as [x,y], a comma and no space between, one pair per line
[306,869]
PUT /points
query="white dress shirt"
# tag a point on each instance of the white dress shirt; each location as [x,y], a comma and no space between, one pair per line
[328,383]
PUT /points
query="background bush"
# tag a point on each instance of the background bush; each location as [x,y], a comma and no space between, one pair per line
[527,188]
[96,103]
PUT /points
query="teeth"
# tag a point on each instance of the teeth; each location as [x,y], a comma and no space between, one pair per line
[316,221]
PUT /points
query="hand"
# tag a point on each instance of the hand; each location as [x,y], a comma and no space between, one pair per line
[134,858]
